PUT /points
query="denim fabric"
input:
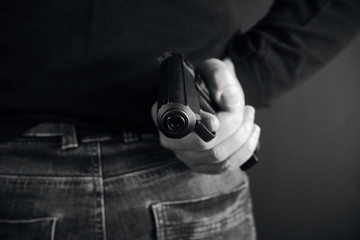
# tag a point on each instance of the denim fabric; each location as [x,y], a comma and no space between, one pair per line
[114,186]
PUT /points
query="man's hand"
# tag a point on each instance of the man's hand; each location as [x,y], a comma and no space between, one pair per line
[236,134]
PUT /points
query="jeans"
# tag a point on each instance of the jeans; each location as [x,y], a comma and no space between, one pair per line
[57,182]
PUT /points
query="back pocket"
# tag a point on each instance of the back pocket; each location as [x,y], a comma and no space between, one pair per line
[226,216]
[30,229]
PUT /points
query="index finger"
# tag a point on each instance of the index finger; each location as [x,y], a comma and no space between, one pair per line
[223,85]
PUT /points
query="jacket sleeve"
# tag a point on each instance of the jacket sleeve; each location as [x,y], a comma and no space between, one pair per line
[294,40]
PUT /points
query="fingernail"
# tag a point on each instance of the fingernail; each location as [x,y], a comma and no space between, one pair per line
[211,123]
[230,97]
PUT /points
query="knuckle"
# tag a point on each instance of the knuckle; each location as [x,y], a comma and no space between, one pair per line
[240,137]
[250,146]
[250,109]
[236,120]
[218,153]
[217,73]
[249,149]
[257,129]
[248,127]
[250,113]
[247,131]
[256,134]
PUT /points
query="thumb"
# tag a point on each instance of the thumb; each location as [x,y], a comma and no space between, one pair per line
[209,120]
[223,85]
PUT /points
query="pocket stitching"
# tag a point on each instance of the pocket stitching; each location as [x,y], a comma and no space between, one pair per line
[53,221]
[210,227]
[165,228]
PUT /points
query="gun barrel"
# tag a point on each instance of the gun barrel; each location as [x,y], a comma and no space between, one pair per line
[177,101]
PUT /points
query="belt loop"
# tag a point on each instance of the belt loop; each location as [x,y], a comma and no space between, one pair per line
[69,138]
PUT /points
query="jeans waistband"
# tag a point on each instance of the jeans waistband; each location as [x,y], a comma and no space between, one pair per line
[72,134]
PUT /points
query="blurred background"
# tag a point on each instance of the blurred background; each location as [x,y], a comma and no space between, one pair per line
[307,185]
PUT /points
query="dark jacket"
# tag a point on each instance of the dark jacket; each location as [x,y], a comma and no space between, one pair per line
[94,62]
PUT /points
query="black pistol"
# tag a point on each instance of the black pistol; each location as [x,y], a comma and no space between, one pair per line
[182,95]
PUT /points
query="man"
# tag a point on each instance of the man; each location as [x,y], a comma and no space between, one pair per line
[79,158]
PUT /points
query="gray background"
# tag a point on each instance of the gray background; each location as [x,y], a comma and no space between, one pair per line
[307,185]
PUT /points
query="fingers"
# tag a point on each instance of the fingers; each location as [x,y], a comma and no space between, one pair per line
[229,122]
[236,134]
[224,149]
[235,160]
[209,120]
[223,84]
[236,140]
[229,154]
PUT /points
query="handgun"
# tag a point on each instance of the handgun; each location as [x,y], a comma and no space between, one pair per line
[182,95]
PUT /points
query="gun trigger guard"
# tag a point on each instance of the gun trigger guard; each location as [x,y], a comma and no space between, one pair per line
[203,132]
